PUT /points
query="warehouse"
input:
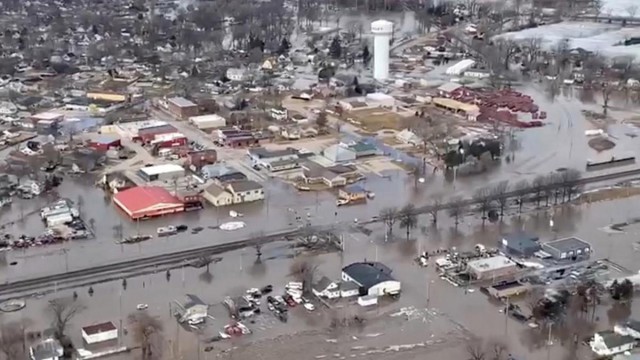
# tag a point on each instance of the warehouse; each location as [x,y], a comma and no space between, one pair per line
[567,249]
[212,121]
[491,268]
[373,278]
[105,142]
[470,111]
[161,172]
[182,108]
[148,134]
[144,202]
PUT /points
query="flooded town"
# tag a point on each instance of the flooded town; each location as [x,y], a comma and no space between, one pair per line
[275,179]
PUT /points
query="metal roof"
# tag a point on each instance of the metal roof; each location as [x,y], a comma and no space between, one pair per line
[368,274]
[567,244]
[143,197]
[161,169]
[181,102]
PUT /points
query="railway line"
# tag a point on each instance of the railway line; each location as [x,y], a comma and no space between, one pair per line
[136,267]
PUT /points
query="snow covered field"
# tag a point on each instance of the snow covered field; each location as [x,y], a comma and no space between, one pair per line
[594,37]
[619,7]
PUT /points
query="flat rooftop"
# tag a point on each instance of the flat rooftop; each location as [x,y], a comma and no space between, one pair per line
[492,263]
[567,244]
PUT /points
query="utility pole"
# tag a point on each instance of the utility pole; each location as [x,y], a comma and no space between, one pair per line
[120,327]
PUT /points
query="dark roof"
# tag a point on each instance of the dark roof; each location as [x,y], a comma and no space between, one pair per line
[568,244]
[363,147]
[99,328]
[244,185]
[192,300]
[322,284]
[368,274]
[160,129]
[354,189]
[508,285]
[633,324]
[348,285]
[263,153]
[521,242]
[613,340]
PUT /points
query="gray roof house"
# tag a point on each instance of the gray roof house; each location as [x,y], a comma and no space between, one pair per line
[222,172]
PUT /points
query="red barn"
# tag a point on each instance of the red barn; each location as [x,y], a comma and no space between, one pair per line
[144,202]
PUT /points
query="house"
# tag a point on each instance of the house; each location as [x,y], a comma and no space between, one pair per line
[234,192]
[353,193]
[274,160]
[222,173]
[237,74]
[629,328]
[407,136]
[299,119]
[571,248]
[364,149]
[519,244]
[192,309]
[448,89]
[338,153]
[102,334]
[326,288]
[349,289]
[278,114]
[48,349]
[608,343]
[373,278]
[314,173]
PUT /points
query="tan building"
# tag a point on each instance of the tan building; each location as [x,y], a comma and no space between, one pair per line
[182,108]
[491,268]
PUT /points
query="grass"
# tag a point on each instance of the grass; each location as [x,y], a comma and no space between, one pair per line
[376,119]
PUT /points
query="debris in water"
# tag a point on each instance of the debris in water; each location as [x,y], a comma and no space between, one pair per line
[233,225]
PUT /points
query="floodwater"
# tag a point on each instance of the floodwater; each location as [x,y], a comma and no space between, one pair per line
[469,312]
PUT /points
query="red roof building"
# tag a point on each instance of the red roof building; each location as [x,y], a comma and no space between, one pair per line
[144,202]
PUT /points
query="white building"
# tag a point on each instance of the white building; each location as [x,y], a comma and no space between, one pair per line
[237,74]
[382,31]
[49,349]
[99,333]
[380,99]
[460,67]
[161,172]
[211,121]
[245,191]
[493,267]
[326,288]
[373,278]
[630,328]
[608,343]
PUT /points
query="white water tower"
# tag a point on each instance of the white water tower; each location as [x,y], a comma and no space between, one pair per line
[382,31]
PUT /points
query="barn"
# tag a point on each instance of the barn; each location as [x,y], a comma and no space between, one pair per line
[144,202]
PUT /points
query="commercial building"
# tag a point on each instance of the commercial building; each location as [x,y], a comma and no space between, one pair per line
[149,133]
[234,192]
[491,268]
[373,278]
[181,107]
[198,159]
[339,153]
[103,334]
[353,193]
[223,173]
[314,173]
[147,201]
[212,121]
[508,289]
[105,142]
[608,343]
[567,249]
[469,111]
[275,160]
[161,172]
[171,140]
[520,244]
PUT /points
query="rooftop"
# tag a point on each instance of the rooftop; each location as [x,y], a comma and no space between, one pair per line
[99,328]
[181,102]
[355,189]
[244,185]
[215,189]
[492,263]
[142,197]
[368,274]
[263,153]
[219,169]
[105,139]
[161,169]
[567,244]
[47,349]
[449,87]
[613,340]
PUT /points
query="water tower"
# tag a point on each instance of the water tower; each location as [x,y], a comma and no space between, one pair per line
[382,31]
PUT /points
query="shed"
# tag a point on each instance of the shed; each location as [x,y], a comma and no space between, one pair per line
[99,333]
[520,244]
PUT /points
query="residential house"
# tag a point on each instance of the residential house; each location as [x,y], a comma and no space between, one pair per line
[234,192]
[276,160]
[608,343]
[353,193]
[373,278]
[222,173]
[364,149]
[314,173]
[629,328]
[326,288]
[48,349]
[349,289]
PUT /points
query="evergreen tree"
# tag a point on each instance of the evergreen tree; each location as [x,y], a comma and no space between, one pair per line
[365,55]
[335,50]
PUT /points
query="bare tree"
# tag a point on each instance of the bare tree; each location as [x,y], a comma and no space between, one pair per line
[570,182]
[499,192]
[12,340]
[435,207]
[456,209]
[147,333]
[497,349]
[522,189]
[475,350]
[537,186]
[304,270]
[484,199]
[389,216]
[63,310]
[408,218]
[632,10]
[607,90]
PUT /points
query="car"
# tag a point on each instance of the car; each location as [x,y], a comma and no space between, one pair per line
[142,306]
[267,289]
[309,306]
[197,229]
[271,300]
[271,307]
[182,227]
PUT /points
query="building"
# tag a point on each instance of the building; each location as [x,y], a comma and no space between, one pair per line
[364,149]
[223,173]
[353,193]
[144,202]
[519,244]
[171,140]
[198,159]
[508,289]
[408,137]
[182,108]
[48,349]
[192,309]
[314,173]
[237,74]
[349,289]
[567,249]
[212,121]
[103,334]
[382,31]
[447,89]
[608,343]
[373,278]
[469,111]
[161,172]
[275,160]
[148,134]
[234,192]
[491,268]
[338,153]
[461,66]
[105,142]
[477,73]
[326,288]
[629,328]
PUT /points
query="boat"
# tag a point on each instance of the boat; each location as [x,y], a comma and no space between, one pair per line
[233,225]
[234,214]
[342,202]
[371,195]
[167,230]
[135,239]
[142,306]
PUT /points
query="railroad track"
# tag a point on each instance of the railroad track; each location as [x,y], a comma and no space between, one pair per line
[131,268]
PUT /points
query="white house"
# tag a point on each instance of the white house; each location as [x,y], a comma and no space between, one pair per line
[373,278]
[326,288]
[244,191]
[99,333]
[608,343]
[34,187]
[630,328]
